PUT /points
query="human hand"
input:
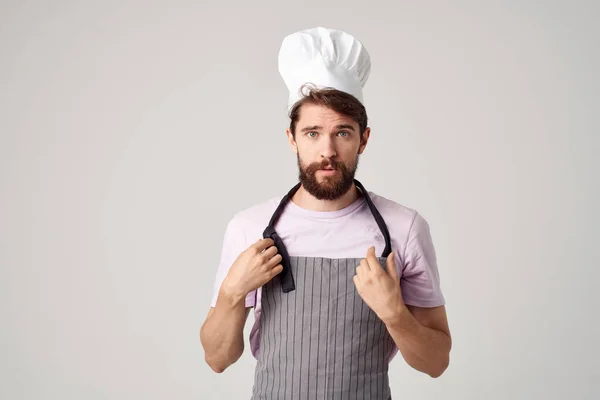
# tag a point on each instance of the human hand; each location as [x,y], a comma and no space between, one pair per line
[379,288]
[254,267]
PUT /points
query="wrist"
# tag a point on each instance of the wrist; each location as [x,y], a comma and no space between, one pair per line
[231,295]
[395,314]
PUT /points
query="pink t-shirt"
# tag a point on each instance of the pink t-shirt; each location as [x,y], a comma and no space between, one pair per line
[345,233]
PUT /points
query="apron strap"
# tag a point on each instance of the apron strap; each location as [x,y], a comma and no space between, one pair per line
[379,219]
[287,279]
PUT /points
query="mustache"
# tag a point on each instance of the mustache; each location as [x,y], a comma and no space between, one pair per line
[326,162]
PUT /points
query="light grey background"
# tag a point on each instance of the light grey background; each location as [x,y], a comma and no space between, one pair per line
[132,131]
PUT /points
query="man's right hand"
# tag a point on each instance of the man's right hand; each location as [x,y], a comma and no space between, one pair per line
[253,268]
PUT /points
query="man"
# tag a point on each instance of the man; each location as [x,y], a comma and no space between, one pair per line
[342,278]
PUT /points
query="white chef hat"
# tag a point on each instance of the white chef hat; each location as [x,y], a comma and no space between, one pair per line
[325,58]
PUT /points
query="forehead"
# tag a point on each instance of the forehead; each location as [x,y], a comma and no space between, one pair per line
[311,114]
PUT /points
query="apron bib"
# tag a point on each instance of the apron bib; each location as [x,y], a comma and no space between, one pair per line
[318,338]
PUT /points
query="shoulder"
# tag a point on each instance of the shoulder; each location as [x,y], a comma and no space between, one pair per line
[403,222]
[393,212]
[255,218]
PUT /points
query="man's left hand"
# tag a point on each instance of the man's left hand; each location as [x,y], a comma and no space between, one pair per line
[379,288]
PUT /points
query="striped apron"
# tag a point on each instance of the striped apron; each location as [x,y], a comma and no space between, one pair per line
[318,338]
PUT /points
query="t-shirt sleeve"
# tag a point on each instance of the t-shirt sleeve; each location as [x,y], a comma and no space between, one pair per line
[420,281]
[234,243]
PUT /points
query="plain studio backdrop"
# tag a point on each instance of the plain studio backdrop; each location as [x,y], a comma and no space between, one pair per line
[131,132]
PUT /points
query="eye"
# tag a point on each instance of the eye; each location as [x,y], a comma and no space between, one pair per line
[312,134]
[344,133]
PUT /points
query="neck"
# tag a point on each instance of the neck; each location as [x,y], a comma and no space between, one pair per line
[307,201]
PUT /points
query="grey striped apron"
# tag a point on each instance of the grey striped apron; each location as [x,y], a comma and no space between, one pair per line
[318,338]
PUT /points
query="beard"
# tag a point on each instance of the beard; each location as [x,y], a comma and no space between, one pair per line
[331,187]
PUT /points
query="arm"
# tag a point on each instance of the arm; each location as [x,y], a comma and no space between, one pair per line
[221,334]
[422,336]
[420,328]
[412,308]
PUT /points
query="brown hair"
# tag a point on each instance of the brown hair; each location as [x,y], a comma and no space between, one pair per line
[338,101]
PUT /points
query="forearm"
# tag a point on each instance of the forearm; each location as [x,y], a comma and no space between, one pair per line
[222,333]
[425,349]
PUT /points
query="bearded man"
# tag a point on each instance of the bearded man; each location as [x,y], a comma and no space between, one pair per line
[340,278]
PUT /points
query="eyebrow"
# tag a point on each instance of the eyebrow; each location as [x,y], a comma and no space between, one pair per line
[317,127]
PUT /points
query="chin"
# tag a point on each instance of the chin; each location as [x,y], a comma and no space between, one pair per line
[327,181]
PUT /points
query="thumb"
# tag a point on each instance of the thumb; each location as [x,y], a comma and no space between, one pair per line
[391,267]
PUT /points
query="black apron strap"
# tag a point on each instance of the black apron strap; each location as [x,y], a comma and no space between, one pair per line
[287,280]
[379,219]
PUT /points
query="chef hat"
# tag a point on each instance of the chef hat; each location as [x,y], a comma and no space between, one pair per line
[325,58]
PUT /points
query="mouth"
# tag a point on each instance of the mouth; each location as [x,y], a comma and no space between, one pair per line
[328,171]
[328,167]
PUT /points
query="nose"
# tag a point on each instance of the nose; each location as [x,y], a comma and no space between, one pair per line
[328,149]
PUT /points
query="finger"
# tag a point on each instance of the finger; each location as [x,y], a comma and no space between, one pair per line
[373,260]
[269,253]
[391,267]
[277,270]
[262,244]
[356,280]
[274,261]
[363,268]
[371,254]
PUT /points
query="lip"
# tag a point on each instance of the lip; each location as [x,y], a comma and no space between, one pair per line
[328,171]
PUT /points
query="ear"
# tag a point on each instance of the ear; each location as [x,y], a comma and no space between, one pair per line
[364,140]
[291,140]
